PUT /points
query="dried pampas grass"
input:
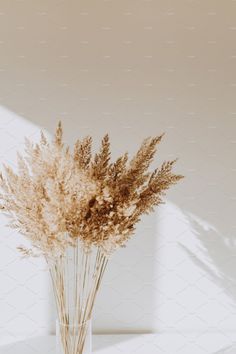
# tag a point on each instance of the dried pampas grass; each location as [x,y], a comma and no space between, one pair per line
[76,209]
[59,196]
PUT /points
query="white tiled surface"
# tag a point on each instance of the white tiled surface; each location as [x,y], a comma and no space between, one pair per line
[194,343]
[177,272]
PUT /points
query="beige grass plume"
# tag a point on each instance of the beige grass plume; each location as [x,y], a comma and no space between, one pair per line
[58,196]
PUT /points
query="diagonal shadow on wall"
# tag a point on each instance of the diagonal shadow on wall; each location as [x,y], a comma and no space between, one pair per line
[214,253]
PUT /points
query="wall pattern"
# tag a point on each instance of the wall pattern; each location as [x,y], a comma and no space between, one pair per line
[131,68]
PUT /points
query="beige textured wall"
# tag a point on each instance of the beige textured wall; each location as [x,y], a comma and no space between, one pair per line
[134,68]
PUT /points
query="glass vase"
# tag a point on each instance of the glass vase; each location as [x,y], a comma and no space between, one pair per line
[74,339]
[76,277]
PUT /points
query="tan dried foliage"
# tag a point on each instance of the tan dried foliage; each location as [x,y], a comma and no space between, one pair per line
[58,196]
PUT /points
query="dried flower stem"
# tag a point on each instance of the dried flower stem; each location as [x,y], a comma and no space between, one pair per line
[75,294]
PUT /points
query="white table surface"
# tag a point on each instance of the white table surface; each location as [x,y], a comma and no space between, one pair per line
[178,343]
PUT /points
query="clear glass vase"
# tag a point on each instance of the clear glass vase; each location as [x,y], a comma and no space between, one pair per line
[76,278]
[74,339]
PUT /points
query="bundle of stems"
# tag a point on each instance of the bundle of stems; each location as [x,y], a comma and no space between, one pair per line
[76,279]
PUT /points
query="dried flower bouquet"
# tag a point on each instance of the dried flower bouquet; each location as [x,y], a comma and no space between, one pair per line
[76,210]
